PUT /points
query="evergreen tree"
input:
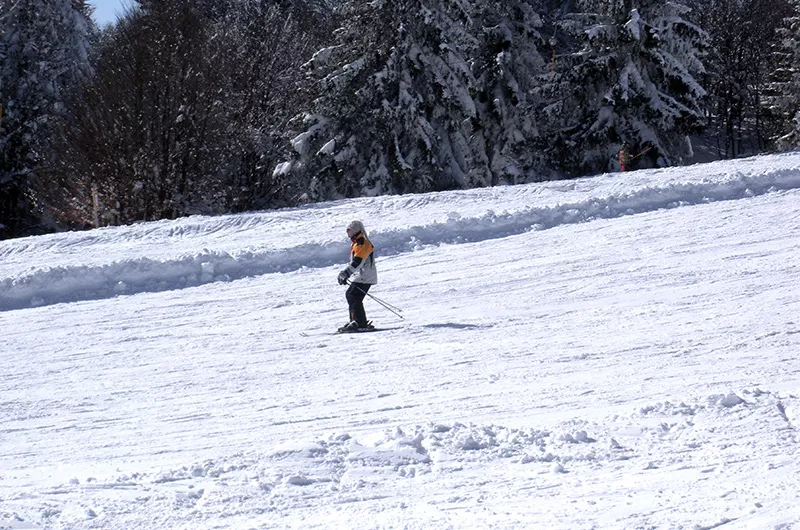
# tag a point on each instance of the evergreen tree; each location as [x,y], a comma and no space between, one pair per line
[45,45]
[509,70]
[632,78]
[394,110]
[417,96]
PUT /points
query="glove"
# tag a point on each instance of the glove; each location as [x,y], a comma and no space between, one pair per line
[343,276]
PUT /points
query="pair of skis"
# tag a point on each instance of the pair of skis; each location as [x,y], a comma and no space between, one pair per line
[368,329]
[352,332]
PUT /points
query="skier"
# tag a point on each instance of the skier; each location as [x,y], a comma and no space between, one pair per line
[364,274]
[624,156]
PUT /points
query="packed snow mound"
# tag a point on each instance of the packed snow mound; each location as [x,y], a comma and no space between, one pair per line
[239,250]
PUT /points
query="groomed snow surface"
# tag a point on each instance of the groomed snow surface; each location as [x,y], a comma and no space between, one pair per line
[615,352]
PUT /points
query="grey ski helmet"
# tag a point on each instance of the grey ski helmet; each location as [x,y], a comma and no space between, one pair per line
[356,226]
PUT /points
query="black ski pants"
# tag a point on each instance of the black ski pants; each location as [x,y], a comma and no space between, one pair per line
[355,300]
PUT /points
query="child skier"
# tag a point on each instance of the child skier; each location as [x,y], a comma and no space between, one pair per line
[364,275]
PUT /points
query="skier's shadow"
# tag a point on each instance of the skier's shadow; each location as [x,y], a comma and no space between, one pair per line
[452,325]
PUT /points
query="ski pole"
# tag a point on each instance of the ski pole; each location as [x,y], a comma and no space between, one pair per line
[387,305]
[390,307]
[384,303]
[643,152]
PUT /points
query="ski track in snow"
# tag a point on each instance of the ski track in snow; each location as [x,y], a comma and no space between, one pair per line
[523,208]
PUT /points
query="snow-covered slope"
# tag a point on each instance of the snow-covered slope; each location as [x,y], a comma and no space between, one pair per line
[197,250]
[614,352]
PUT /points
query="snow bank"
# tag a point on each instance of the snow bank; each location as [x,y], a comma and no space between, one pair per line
[645,192]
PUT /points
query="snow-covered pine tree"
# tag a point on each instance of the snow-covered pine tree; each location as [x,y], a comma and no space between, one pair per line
[394,111]
[509,68]
[46,45]
[632,79]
